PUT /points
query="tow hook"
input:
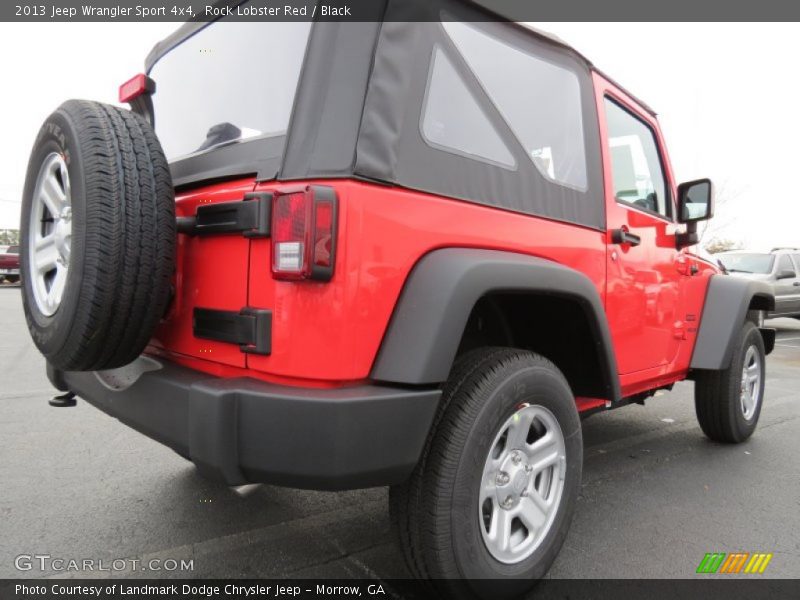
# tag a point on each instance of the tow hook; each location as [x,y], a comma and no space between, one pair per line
[63,401]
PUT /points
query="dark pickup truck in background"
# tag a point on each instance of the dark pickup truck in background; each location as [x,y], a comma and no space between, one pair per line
[9,265]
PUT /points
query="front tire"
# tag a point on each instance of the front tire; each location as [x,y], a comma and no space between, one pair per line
[728,402]
[493,495]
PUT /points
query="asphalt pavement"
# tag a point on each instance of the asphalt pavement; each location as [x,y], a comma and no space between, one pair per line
[656,495]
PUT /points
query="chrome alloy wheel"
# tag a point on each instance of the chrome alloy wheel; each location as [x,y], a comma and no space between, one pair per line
[750,394]
[50,234]
[522,483]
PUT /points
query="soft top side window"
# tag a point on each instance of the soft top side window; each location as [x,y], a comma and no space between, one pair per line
[540,101]
[453,120]
[638,176]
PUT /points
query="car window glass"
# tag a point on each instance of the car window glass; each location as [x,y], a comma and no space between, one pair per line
[785,264]
[796,258]
[748,263]
[453,120]
[540,101]
[227,83]
[636,165]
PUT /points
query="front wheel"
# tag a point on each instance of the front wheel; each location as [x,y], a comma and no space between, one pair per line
[488,507]
[728,402]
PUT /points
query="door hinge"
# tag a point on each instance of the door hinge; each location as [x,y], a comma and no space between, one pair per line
[251,217]
[250,328]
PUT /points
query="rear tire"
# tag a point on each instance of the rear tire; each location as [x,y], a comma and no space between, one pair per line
[728,402]
[99,185]
[449,524]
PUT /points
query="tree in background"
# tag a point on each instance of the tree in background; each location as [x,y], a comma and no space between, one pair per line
[721,244]
[726,197]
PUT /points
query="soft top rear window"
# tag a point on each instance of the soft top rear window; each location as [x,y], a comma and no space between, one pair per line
[228,83]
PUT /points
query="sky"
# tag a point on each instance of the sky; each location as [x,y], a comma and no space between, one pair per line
[727,97]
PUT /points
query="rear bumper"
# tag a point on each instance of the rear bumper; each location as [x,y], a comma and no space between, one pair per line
[246,431]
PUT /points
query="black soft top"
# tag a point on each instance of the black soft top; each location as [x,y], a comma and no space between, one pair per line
[358,104]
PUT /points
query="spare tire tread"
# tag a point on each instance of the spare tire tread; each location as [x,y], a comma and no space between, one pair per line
[158,231]
[102,237]
[126,245]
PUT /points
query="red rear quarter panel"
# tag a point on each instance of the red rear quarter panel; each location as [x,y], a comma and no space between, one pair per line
[334,330]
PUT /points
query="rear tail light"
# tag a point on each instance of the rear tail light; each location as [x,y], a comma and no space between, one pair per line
[304,234]
[136,86]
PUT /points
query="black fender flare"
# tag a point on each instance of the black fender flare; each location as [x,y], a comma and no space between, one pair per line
[423,335]
[724,311]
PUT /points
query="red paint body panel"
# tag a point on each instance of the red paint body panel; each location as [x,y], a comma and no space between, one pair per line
[655,292]
[328,334]
[211,273]
[586,404]
[333,330]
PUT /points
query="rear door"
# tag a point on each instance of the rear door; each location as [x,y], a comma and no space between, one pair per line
[211,274]
[223,100]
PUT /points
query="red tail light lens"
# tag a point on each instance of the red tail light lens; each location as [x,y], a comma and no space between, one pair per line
[136,86]
[304,234]
[323,234]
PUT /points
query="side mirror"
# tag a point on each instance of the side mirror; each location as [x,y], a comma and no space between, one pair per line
[786,274]
[695,203]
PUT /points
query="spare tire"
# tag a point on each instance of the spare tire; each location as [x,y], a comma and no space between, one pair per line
[98,236]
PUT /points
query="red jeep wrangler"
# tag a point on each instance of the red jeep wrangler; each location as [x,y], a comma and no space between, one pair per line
[410,252]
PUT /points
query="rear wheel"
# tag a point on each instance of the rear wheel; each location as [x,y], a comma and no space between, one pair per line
[728,402]
[493,495]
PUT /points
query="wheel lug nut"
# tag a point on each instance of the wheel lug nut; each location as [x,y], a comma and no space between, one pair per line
[516,458]
[508,502]
[502,478]
[523,493]
[528,468]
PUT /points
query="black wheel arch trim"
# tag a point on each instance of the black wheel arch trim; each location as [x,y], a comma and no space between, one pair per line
[727,302]
[422,338]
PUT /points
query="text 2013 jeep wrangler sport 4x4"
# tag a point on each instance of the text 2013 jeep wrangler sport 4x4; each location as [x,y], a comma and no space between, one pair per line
[409,252]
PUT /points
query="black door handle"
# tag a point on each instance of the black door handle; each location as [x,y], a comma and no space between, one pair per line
[623,236]
[796,284]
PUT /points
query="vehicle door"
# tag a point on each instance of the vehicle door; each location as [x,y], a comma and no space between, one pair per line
[644,268]
[787,286]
